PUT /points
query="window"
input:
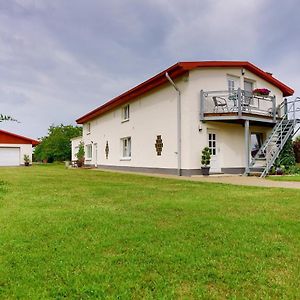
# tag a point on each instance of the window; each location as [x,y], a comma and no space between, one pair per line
[89,151]
[230,85]
[233,83]
[126,147]
[212,143]
[88,128]
[125,113]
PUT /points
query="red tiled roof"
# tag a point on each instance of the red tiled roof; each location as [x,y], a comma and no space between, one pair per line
[178,70]
[12,138]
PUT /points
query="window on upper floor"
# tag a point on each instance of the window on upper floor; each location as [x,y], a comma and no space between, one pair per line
[233,83]
[125,113]
[126,148]
[88,128]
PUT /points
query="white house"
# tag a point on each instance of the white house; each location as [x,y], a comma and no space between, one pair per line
[163,124]
[13,147]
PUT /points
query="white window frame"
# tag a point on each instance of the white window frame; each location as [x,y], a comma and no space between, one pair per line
[212,143]
[88,128]
[126,113]
[233,83]
[126,148]
[89,153]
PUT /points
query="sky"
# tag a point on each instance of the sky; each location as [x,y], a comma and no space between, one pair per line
[59,59]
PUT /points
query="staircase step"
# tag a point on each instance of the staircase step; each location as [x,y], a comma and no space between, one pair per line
[257,169]
[256,174]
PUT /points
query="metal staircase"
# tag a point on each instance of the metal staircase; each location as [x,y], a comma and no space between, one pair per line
[282,131]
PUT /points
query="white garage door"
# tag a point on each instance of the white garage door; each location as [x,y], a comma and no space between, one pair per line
[9,156]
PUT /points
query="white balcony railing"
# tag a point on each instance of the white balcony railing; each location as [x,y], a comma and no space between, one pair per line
[237,102]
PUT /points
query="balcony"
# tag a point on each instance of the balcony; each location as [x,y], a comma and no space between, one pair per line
[238,105]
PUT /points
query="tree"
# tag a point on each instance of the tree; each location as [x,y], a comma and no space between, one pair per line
[6,118]
[56,146]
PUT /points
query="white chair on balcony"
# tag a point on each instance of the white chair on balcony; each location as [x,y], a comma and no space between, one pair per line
[221,103]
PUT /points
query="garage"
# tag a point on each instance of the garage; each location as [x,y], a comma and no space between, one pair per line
[9,156]
[14,147]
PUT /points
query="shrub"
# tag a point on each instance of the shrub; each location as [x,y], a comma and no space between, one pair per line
[205,158]
[296,145]
[292,170]
[287,156]
[80,155]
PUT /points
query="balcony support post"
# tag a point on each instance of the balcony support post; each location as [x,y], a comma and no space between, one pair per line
[247,147]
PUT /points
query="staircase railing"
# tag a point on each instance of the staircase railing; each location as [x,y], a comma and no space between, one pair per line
[281,132]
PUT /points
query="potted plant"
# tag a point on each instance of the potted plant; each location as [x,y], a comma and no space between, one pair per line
[80,155]
[261,92]
[26,160]
[205,161]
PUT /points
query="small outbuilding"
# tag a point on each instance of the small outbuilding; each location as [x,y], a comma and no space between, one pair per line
[13,147]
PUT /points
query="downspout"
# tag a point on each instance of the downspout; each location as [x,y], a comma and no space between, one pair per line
[178,124]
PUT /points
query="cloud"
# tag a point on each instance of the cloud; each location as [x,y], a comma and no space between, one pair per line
[63,58]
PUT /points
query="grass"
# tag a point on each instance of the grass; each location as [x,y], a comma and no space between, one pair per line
[285,178]
[82,234]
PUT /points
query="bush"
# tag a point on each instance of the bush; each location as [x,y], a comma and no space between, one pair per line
[287,156]
[296,145]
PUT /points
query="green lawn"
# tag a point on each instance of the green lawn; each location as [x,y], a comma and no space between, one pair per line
[82,234]
[285,178]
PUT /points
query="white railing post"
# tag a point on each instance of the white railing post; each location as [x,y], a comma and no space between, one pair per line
[274,108]
[294,112]
[285,106]
[202,100]
[239,102]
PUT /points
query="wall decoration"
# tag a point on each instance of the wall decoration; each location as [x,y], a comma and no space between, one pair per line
[158,145]
[106,150]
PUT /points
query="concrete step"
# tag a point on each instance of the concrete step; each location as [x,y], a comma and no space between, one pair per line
[256,174]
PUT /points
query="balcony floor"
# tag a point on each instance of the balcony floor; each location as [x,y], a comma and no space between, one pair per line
[235,117]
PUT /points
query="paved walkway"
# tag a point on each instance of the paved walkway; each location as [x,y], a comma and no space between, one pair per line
[250,181]
[224,178]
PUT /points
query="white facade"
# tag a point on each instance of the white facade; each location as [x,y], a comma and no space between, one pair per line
[154,114]
[75,142]
[13,154]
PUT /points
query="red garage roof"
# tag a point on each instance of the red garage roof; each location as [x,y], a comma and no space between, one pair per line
[175,71]
[12,138]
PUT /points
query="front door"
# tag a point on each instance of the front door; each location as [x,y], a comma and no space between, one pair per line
[213,145]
